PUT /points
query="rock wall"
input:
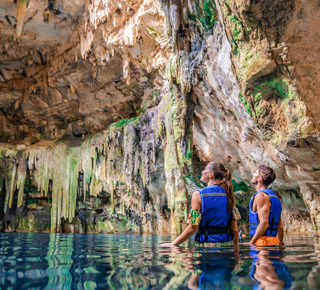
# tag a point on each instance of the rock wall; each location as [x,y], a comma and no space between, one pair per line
[109,111]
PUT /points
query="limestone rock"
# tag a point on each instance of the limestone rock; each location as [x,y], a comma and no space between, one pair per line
[110,109]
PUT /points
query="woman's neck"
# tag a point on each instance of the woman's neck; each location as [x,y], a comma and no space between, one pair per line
[214,182]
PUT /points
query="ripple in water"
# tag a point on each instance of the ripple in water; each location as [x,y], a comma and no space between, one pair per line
[61,261]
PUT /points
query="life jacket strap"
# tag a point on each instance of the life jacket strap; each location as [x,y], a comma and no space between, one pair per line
[206,230]
[271,227]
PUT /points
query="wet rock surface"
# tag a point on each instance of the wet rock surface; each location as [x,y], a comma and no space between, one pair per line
[110,110]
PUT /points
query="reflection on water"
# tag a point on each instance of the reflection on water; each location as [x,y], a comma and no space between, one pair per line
[60,261]
[268,269]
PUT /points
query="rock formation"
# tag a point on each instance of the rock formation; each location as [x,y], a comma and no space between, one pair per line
[110,110]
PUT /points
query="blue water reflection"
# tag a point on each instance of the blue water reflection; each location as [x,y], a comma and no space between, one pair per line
[268,268]
[60,261]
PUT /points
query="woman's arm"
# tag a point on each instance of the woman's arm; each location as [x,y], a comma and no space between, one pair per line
[191,229]
[186,234]
[235,231]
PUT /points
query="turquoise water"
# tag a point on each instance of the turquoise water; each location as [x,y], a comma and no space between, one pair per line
[61,261]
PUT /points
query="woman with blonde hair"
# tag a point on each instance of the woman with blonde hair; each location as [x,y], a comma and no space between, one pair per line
[213,217]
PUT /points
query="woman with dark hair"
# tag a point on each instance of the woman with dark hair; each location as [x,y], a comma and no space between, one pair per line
[213,215]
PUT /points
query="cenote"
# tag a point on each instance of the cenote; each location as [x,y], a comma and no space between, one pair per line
[110,110]
[67,261]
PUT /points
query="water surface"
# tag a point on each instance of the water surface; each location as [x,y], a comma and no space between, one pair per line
[61,261]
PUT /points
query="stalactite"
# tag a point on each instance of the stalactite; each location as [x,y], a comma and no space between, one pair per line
[45,81]
[126,71]
[21,10]
[175,22]
[21,178]
[85,43]
[62,166]
[10,184]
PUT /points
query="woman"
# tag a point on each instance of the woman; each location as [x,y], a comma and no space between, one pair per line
[217,222]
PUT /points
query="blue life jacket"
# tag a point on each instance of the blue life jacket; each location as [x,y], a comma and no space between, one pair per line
[216,277]
[216,265]
[280,268]
[215,218]
[274,216]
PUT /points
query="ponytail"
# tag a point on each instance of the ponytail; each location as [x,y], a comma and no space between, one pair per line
[229,190]
[222,177]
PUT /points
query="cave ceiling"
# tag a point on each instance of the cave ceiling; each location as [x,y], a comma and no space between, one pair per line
[76,68]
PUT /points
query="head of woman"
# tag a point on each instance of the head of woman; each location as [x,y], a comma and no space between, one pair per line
[216,174]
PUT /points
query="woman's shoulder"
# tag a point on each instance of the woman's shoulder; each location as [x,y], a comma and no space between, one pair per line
[196,193]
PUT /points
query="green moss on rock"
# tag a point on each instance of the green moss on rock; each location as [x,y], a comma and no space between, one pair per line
[241,186]
[188,158]
[121,124]
[205,14]
[194,180]
[278,86]
[250,63]
[245,103]
[235,26]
